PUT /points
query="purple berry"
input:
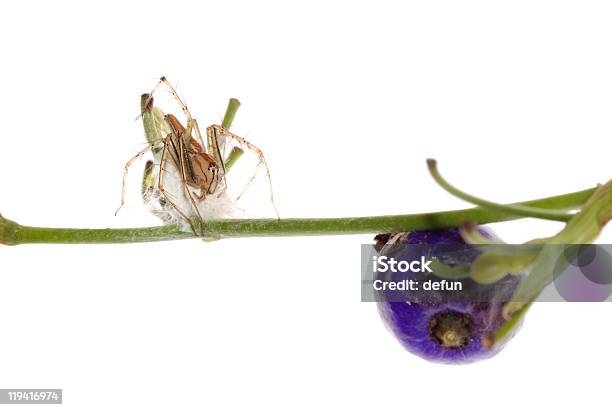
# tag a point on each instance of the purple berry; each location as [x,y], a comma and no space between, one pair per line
[434,326]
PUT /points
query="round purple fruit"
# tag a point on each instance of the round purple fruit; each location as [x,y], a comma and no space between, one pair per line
[438,323]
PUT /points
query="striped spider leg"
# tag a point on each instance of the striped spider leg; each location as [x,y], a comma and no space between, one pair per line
[126,168]
[215,131]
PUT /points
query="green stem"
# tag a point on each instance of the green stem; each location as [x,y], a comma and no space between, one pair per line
[233,156]
[516,209]
[507,328]
[228,119]
[151,132]
[12,233]
[230,113]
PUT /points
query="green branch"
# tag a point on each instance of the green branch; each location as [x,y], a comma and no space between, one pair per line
[521,210]
[12,233]
[230,113]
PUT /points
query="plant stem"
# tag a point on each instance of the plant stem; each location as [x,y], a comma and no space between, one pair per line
[233,156]
[515,209]
[12,233]
[230,113]
[228,119]
[151,132]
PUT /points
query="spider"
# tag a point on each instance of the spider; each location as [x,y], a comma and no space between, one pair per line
[187,178]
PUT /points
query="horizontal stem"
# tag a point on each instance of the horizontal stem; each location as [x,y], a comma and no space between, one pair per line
[12,233]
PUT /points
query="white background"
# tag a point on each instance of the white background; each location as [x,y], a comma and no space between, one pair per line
[347,100]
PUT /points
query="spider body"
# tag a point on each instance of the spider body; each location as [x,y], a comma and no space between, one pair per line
[199,170]
[186,179]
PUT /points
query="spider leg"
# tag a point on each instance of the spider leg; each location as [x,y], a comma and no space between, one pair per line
[198,134]
[218,129]
[149,100]
[178,99]
[212,135]
[125,173]
[179,159]
[160,183]
[187,167]
[246,186]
